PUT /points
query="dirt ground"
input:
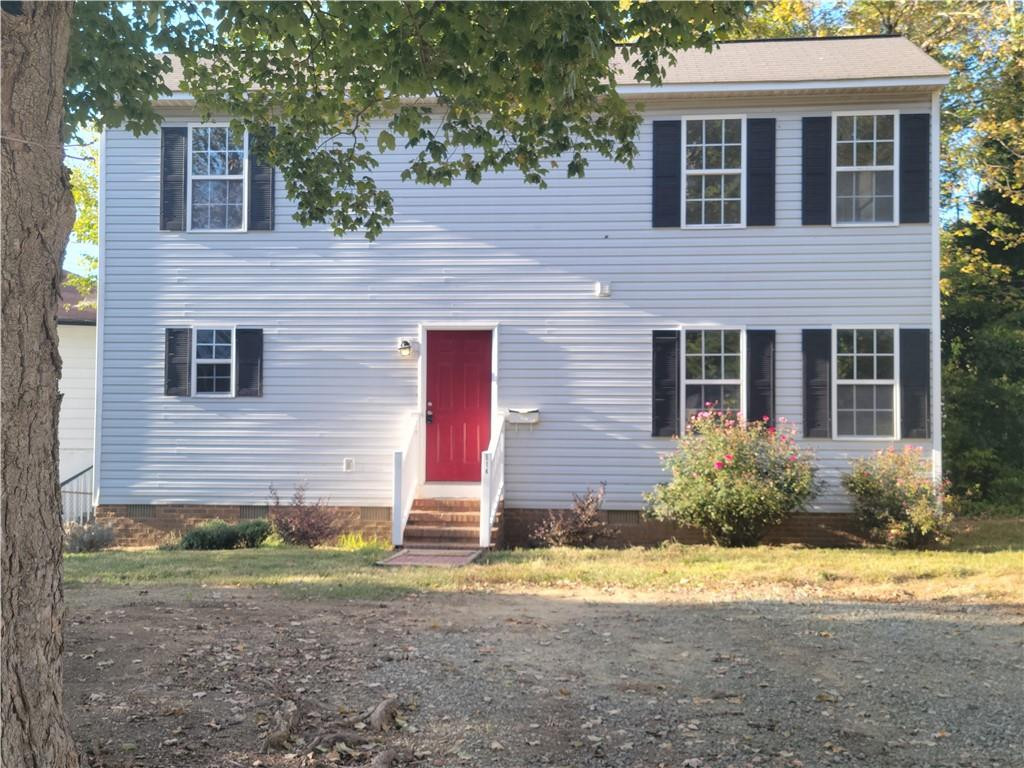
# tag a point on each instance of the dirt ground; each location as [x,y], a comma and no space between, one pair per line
[195,677]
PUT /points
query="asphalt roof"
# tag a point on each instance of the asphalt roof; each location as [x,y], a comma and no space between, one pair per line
[868,57]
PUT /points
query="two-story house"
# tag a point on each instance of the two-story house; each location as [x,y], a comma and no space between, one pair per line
[774,250]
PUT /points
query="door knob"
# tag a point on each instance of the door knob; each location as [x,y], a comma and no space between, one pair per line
[430,417]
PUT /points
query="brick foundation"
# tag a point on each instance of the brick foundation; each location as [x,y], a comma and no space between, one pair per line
[146,525]
[142,525]
[814,529]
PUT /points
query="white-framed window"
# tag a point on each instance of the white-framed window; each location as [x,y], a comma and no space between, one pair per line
[865,396]
[713,370]
[865,154]
[214,361]
[714,162]
[217,188]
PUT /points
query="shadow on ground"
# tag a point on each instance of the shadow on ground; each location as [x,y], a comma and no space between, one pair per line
[175,676]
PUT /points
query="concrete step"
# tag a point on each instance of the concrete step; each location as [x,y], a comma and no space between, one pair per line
[437,517]
[447,505]
[427,545]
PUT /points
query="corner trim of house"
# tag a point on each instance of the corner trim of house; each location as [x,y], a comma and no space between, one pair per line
[101,279]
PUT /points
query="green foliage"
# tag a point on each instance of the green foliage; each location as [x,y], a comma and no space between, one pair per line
[581,526]
[118,59]
[85,189]
[896,501]
[471,87]
[733,478]
[217,534]
[983,359]
[301,522]
[87,537]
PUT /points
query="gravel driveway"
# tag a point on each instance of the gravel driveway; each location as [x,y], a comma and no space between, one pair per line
[182,677]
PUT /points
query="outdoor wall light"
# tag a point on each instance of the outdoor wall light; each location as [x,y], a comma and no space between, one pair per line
[405,348]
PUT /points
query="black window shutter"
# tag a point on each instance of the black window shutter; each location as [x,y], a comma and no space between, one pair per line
[760,375]
[817,170]
[178,361]
[915,137]
[761,172]
[667,159]
[249,373]
[261,192]
[665,384]
[173,178]
[915,382]
[817,353]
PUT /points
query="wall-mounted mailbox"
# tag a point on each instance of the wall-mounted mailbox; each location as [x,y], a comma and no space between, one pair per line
[523,416]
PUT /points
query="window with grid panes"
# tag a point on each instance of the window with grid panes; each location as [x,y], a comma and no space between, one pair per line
[712,370]
[865,169]
[714,172]
[865,365]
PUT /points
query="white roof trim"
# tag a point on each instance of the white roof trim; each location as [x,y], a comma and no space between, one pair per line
[784,85]
[713,88]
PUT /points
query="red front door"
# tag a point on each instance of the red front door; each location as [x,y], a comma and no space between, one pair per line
[458,404]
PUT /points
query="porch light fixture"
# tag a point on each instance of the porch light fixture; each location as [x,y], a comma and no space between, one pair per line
[405,348]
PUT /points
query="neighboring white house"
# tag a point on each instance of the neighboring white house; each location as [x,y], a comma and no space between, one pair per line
[76,342]
[775,248]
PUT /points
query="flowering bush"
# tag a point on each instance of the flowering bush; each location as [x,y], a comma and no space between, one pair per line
[896,501]
[733,478]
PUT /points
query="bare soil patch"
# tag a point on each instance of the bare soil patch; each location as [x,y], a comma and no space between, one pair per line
[174,676]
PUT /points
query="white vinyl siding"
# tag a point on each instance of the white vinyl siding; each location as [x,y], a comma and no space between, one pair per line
[77,347]
[499,252]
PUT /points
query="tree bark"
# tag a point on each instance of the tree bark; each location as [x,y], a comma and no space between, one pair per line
[38,213]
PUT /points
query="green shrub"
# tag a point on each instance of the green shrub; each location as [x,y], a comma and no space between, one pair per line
[896,501]
[733,478]
[87,537]
[217,534]
[253,533]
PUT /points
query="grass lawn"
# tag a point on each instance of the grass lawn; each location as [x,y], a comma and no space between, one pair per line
[984,563]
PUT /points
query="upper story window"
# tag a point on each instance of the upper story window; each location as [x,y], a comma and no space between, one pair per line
[214,360]
[713,370]
[865,381]
[218,178]
[714,172]
[865,169]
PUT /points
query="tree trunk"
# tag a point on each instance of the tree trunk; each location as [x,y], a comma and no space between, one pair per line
[38,213]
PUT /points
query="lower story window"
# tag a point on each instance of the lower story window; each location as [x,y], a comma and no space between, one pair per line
[214,361]
[712,370]
[865,367]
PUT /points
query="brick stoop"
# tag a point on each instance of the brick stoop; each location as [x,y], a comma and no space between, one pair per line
[446,524]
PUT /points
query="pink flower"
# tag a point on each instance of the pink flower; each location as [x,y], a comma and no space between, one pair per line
[765,418]
[793,457]
[728,457]
[719,465]
[771,430]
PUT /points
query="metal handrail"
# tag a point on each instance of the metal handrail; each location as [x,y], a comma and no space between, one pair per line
[76,497]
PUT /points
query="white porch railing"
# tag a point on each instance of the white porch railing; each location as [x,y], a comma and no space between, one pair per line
[492,479]
[406,479]
[76,497]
